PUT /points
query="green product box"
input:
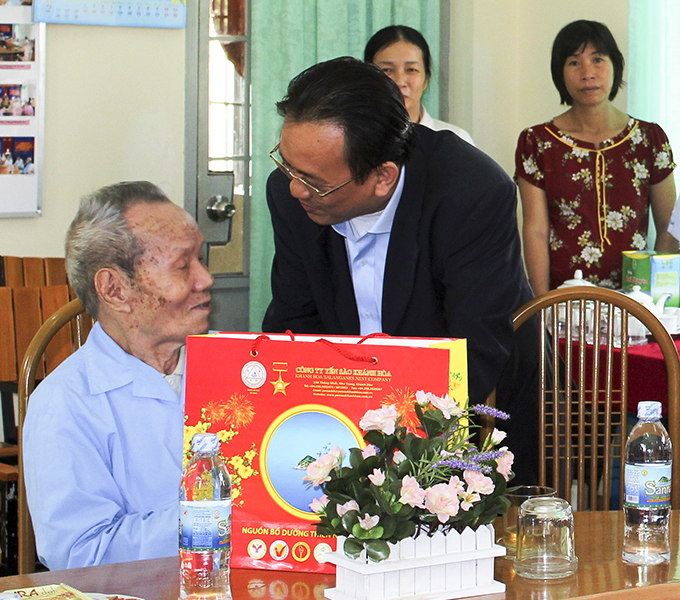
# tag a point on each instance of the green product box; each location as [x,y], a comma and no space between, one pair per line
[656,274]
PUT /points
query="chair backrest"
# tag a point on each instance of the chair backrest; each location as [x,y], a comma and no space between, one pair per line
[22,311]
[583,395]
[30,271]
[31,288]
[70,315]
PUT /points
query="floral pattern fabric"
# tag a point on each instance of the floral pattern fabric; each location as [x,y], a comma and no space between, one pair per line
[590,227]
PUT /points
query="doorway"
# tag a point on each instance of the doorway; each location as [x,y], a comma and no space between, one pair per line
[217,149]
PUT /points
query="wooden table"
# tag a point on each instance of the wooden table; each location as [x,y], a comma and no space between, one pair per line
[598,546]
[599,539]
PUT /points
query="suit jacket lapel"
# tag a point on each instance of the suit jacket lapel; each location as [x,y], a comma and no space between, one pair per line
[339,281]
[403,249]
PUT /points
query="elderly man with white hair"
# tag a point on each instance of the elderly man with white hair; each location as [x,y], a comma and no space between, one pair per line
[103,436]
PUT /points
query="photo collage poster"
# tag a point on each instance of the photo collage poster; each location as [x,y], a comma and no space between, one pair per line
[22,109]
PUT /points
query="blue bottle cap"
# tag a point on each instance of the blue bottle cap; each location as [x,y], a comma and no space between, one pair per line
[205,443]
[649,411]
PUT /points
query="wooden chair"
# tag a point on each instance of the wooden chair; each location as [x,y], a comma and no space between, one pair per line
[17,275]
[31,271]
[22,312]
[31,289]
[68,316]
[583,413]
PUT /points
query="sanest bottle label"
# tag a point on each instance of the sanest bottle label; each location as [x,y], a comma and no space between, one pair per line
[205,525]
[648,485]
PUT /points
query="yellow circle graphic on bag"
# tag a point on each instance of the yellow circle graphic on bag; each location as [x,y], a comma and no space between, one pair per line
[295,439]
[301,551]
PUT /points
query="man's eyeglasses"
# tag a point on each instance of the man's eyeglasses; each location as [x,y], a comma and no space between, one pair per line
[290,175]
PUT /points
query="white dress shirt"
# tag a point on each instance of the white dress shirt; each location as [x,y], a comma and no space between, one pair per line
[366,239]
[437,125]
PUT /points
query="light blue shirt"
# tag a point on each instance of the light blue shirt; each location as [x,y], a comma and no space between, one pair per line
[366,240]
[103,446]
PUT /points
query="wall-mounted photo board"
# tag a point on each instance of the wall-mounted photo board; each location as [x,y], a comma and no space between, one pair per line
[22,110]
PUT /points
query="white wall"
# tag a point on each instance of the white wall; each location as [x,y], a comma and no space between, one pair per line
[499,75]
[114,112]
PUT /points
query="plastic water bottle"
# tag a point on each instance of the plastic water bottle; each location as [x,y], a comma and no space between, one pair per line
[647,506]
[205,523]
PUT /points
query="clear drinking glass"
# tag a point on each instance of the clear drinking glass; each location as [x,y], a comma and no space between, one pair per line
[517,495]
[545,539]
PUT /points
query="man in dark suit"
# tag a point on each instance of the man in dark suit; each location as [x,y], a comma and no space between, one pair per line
[381,225]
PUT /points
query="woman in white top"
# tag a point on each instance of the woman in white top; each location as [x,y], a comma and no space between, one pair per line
[404,56]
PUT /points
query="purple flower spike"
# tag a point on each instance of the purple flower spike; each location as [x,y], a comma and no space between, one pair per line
[483,409]
[458,463]
[484,456]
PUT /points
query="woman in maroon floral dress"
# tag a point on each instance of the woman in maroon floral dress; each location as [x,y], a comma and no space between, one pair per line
[588,177]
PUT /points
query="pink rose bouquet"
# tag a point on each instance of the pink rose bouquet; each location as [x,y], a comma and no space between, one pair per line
[404,483]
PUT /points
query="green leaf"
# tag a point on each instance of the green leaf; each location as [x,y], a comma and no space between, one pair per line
[435,423]
[419,414]
[375,533]
[403,469]
[505,505]
[414,447]
[354,490]
[377,550]
[377,438]
[350,519]
[405,529]
[355,458]
[382,498]
[372,462]
[359,532]
[405,511]
[353,547]
[372,509]
[389,525]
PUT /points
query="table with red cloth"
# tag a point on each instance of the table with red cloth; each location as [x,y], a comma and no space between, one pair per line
[647,379]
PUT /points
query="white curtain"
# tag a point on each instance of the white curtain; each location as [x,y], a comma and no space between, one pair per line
[654,69]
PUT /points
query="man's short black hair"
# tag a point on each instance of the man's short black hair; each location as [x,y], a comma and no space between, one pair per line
[576,36]
[361,100]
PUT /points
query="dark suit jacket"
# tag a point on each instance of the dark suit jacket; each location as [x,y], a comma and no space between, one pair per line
[453,269]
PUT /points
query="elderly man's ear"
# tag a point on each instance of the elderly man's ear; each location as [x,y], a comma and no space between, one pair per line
[114,289]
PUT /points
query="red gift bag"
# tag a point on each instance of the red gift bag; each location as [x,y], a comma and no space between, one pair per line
[278,403]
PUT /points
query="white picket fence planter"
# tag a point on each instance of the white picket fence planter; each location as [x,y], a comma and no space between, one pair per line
[440,567]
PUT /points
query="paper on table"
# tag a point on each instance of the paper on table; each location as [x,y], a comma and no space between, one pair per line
[35,591]
[64,592]
[51,592]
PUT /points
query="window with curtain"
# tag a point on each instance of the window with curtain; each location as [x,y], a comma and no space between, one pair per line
[288,37]
[654,69]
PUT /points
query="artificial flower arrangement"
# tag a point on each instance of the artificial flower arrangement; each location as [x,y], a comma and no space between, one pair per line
[402,484]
